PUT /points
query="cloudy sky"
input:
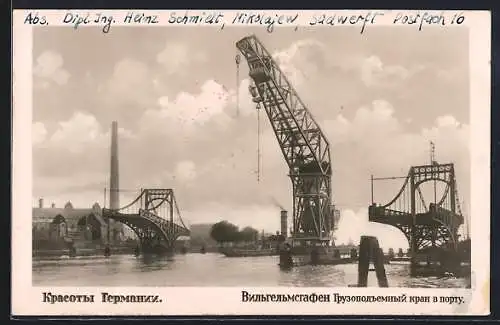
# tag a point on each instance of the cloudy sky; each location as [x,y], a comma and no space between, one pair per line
[380,98]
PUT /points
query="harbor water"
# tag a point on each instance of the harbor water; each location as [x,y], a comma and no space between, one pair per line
[214,270]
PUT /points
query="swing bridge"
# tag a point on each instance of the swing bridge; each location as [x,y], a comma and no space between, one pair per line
[155,219]
[431,229]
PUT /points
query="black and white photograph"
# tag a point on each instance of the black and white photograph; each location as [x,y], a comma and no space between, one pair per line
[209,156]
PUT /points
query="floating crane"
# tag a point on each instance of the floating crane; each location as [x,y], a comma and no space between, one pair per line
[304,146]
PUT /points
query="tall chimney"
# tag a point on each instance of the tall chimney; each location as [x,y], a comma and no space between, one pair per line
[40,203]
[284,223]
[114,195]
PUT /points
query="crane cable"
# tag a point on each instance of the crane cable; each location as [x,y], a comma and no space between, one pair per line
[238,59]
[258,142]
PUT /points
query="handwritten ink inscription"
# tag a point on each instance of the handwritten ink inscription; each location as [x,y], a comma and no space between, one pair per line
[140,18]
[333,20]
[429,19]
[35,19]
[98,19]
[262,19]
[204,18]
[252,18]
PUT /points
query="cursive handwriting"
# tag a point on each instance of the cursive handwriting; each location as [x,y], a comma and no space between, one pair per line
[214,18]
[346,19]
[140,18]
[35,19]
[427,18]
[84,19]
[262,19]
[251,18]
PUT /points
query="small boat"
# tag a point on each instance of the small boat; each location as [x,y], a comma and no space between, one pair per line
[246,252]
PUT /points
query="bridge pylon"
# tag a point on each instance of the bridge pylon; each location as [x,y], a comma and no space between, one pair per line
[154,217]
[431,229]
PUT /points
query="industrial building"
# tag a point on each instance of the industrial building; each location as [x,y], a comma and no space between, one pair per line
[57,227]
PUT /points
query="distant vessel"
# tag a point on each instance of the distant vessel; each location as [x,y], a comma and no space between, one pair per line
[303,249]
[316,253]
[248,252]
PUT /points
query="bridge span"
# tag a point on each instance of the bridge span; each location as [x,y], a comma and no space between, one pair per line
[154,217]
[431,229]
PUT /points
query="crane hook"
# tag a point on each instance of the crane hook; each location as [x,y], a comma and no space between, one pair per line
[238,59]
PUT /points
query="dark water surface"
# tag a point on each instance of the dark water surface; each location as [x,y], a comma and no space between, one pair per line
[214,270]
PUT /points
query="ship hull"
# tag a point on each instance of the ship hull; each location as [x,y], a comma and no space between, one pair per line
[299,256]
[250,252]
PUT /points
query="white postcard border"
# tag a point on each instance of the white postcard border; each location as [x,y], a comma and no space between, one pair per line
[27,300]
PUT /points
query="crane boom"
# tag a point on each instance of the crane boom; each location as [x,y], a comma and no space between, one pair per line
[304,146]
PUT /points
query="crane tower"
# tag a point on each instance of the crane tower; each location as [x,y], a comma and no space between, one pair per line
[304,146]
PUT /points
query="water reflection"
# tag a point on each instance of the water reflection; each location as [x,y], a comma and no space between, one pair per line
[213,270]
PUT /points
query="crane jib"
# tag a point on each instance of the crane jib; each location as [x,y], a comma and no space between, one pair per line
[293,124]
[302,143]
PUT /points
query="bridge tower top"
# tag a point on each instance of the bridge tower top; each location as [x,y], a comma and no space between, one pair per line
[433,153]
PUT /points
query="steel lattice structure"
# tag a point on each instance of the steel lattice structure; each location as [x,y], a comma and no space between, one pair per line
[154,217]
[425,226]
[303,144]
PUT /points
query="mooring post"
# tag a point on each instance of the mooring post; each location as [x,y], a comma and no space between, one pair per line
[369,251]
[363,261]
[379,266]
[286,260]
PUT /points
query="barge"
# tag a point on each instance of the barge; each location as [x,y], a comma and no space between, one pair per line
[248,252]
[315,252]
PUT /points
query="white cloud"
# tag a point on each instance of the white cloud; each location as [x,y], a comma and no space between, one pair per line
[187,111]
[369,125]
[130,83]
[447,121]
[38,133]
[76,132]
[49,66]
[375,129]
[295,61]
[81,131]
[185,170]
[302,60]
[176,58]
[375,73]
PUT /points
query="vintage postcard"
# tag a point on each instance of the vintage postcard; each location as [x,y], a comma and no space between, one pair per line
[251,162]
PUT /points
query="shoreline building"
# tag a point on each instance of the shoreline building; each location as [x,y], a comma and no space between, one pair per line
[54,227]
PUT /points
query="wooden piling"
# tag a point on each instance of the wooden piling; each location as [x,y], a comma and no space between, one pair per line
[379,266]
[107,251]
[286,260]
[72,251]
[369,251]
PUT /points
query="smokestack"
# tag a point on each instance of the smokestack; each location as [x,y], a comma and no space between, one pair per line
[284,223]
[114,195]
[40,203]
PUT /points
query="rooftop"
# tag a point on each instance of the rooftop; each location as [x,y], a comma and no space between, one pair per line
[41,214]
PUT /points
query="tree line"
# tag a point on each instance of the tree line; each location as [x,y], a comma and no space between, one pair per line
[224,232]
